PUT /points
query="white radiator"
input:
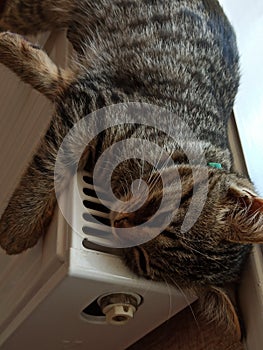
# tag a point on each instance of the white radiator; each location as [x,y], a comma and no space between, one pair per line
[50,295]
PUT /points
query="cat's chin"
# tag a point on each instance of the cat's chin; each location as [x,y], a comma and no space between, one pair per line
[133,228]
[129,237]
[138,261]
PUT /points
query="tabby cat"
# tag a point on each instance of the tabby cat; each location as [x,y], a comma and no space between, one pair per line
[178,55]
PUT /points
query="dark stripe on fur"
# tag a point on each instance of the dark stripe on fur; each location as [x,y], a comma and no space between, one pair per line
[2,5]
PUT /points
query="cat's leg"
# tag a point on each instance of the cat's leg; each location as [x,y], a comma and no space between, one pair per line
[33,16]
[216,305]
[33,65]
[31,206]
[28,213]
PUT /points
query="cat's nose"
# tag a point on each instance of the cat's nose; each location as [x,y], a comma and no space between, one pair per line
[122,222]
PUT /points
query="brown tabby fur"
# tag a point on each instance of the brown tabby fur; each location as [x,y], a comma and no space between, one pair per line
[180,55]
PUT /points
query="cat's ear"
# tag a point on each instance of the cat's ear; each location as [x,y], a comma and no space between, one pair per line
[246,219]
[216,307]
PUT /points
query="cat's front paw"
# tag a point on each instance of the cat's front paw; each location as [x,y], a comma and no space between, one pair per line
[8,43]
[11,241]
[8,241]
[8,38]
[16,234]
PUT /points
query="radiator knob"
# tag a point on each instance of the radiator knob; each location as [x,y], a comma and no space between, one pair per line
[119,308]
[118,314]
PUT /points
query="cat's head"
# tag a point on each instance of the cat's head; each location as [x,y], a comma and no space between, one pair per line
[212,252]
[230,219]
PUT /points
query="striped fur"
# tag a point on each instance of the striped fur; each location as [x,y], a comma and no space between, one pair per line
[176,54]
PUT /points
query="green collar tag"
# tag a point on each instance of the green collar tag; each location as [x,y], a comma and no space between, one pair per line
[215,165]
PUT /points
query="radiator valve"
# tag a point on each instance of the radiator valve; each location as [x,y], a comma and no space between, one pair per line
[119,308]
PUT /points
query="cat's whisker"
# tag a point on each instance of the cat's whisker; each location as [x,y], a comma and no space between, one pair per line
[142,167]
[159,172]
[124,189]
[203,254]
[186,299]
[170,298]
[155,181]
[155,168]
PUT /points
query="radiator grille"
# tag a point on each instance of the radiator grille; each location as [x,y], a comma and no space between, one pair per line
[96,223]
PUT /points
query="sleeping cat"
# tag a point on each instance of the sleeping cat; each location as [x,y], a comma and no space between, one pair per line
[178,55]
